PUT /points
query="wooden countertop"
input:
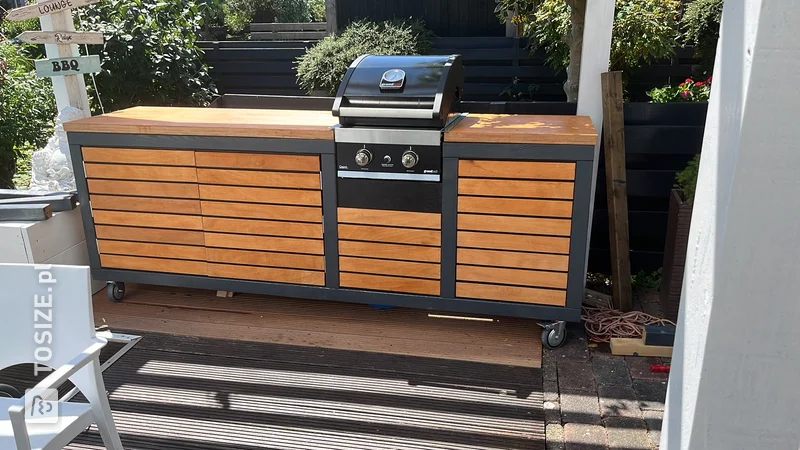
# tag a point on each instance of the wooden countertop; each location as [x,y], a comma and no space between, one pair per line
[226,122]
[295,124]
[524,129]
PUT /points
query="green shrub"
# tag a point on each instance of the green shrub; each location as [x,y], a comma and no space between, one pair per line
[686,179]
[150,56]
[689,91]
[644,30]
[240,13]
[317,8]
[27,108]
[700,24]
[323,66]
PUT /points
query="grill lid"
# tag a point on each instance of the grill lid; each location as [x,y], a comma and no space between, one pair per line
[400,91]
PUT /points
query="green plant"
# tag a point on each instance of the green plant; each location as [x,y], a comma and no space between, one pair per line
[700,25]
[323,66]
[150,55]
[644,281]
[686,92]
[240,13]
[686,179]
[644,30]
[27,108]
[317,8]
[517,91]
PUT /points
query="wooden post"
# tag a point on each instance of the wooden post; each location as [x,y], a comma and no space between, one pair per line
[330,16]
[70,90]
[616,189]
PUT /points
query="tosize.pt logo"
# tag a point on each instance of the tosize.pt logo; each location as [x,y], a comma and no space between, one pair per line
[43,405]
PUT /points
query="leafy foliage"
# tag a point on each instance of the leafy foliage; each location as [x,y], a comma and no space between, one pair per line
[646,282]
[644,30]
[688,91]
[686,179]
[150,56]
[27,108]
[240,13]
[700,24]
[317,9]
[323,66]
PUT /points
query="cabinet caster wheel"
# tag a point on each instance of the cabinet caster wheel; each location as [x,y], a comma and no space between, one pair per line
[554,334]
[9,391]
[116,291]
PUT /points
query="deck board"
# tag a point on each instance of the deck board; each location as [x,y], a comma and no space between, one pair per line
[253,372]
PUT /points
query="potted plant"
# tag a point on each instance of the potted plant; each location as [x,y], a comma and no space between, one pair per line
[678,221]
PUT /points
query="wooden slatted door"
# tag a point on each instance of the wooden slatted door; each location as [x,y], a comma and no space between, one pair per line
[262,216]
[514,225]
[146,209]
[393,251]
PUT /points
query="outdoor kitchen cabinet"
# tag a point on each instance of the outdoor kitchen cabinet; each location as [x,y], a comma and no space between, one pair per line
[247,201]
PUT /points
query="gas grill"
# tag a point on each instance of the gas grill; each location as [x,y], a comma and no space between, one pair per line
[392,112]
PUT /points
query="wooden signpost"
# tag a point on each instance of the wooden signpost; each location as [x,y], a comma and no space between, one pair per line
[65,65]
[61,37]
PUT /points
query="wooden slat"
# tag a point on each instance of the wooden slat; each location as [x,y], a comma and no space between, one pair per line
[389,234]
[523,129]
[386,267]
[270,259]
[143,188]
[390,251]
[152,250]
[150,235]
[260,211]
[511,293]
[135,219]
[392,284]
[263,227]
[519,260]
[516,169]
[261,195]
[272,274]
[293,163]
[144,204]
[145,173]
[516,242]
[153,264]
[518,277]
[259,178]
[505,224]
[390,218]
[272,244]
[515,206]
[138,156]
[516,188]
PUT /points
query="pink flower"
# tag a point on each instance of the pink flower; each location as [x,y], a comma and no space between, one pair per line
[699,84]
[686,94]
[688,80]
[708,80]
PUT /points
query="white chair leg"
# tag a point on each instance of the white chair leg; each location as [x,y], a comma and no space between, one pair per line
[90,382]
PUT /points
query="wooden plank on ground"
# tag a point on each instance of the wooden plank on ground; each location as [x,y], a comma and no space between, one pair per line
[636,347]
[616,189]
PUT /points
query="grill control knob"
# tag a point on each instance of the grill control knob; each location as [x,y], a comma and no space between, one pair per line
[387,159]
[409,159]
[363,157]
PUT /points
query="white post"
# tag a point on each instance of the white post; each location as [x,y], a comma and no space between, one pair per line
[596,54]
[736,363]
[70,90]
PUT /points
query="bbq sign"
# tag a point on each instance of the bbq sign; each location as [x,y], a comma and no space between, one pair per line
[67,66]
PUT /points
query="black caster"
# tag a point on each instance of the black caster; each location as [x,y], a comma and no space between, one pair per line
[116,291]
[9,391]
[554,334]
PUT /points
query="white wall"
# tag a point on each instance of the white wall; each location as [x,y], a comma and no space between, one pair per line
[735,379]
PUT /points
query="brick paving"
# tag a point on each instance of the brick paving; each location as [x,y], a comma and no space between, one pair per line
[598,401]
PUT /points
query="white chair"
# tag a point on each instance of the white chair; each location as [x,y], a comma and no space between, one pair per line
[72,349]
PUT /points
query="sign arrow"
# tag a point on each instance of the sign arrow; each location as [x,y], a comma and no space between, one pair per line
[46,8]
[61,37]
[58,67]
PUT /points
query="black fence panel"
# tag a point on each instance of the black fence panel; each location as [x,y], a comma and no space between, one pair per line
[444,17]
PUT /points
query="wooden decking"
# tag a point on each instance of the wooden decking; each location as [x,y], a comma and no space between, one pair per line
[253,372]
